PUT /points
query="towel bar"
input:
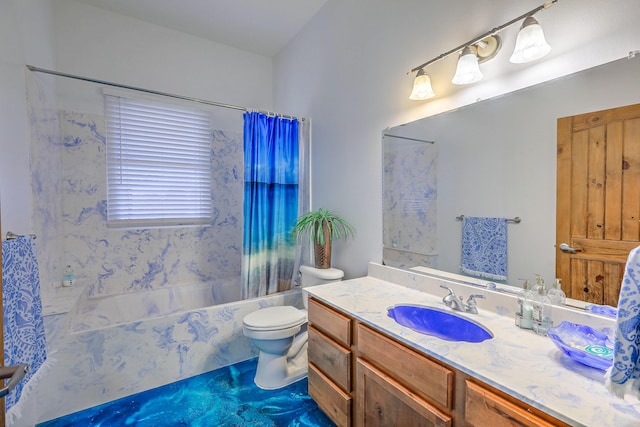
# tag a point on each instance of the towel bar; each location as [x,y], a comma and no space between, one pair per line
[11,235]
[16,373]
[516,219]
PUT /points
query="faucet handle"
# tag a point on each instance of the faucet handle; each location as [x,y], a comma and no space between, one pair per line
[448,299]
[472,305]
[471,301]
[449,289]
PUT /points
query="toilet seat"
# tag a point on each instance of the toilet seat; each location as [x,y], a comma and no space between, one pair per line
[275,318]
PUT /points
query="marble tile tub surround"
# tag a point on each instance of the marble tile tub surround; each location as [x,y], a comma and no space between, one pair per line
[516,361]
[68,168]
[103,311]
[100,365]
[410,202]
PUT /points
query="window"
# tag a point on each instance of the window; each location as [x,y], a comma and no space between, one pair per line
[158,164]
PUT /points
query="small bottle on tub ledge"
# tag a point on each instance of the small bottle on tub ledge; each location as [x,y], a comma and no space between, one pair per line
[69,277]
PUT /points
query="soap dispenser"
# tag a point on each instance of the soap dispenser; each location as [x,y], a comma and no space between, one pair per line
[539,283]
[542,312]
[524,316]
[556,294]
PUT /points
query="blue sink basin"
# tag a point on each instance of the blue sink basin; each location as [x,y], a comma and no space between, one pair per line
[439,323]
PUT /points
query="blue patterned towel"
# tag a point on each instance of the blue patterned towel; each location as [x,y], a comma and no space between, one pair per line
[484,247]
[624,375]
[24,340]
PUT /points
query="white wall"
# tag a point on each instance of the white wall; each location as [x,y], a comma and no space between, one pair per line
[25,32]
[74,38]
[100,44]
[347,70]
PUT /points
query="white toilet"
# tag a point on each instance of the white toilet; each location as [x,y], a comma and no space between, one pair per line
[280,334]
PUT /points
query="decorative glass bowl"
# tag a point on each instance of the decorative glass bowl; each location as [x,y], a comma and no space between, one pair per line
[583,344]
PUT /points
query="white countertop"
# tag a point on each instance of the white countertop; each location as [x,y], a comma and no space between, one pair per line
[519,362]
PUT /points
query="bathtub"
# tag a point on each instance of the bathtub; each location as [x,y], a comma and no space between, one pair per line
[91,313]
[111,347]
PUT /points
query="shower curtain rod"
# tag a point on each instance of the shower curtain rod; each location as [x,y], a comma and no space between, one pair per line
[406,137]
[155,92]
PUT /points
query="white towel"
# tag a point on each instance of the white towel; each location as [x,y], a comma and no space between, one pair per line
[624,375]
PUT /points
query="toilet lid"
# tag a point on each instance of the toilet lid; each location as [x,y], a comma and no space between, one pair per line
[275,318]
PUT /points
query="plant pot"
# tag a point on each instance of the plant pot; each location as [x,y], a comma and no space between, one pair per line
[322,255]
[323,252]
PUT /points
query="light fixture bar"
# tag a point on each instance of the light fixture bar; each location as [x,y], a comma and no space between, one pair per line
[485,35]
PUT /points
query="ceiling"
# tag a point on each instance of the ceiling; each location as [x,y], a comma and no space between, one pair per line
[259,26]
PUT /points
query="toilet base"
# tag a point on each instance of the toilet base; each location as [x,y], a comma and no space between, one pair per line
[275,371]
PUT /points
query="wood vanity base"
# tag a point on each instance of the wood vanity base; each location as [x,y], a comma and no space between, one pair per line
[361,377]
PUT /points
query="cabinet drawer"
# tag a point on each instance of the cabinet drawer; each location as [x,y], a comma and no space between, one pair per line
[425,377]
[333,401]
[332,359]
[486,408]
[329,321]
[382,401]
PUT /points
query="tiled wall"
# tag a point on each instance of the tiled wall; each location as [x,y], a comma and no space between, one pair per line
[69,197]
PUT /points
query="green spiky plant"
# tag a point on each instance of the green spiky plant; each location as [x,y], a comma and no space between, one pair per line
[322,227]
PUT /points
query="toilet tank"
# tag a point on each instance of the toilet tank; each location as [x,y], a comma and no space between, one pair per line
[311,276]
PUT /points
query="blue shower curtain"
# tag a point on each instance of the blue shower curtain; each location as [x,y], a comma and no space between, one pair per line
[271,156]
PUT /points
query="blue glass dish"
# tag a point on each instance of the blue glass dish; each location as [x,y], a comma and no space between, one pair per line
[583,344]
[439,323]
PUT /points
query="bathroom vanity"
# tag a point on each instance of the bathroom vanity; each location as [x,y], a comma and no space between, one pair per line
[366,369]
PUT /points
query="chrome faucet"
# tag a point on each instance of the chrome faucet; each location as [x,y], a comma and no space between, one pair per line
[458,304]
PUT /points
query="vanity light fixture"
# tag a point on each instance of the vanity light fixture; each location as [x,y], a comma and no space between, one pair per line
[468,69]
[530,45]
[422,87]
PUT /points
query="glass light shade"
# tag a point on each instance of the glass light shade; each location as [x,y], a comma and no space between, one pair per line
[530,44]
[422,87]
[467,70]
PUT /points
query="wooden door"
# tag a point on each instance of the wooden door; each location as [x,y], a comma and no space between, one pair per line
[598,201]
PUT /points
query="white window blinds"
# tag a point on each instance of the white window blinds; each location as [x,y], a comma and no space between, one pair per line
[158,164]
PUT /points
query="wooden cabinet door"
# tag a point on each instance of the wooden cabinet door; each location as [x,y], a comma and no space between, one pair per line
[334,402]
[382,401]
[598,201]
[485,408]
[430,380]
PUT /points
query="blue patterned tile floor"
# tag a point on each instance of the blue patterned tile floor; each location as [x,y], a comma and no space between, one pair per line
[224,397]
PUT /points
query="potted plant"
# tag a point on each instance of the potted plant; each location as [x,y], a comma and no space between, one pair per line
[322,226]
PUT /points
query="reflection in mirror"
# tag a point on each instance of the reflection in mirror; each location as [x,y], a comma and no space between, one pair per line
[410,200]
[495,158]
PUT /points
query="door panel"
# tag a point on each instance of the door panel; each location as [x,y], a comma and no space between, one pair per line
[598,201]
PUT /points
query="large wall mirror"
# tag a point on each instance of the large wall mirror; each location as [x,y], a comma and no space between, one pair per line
[494,158]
